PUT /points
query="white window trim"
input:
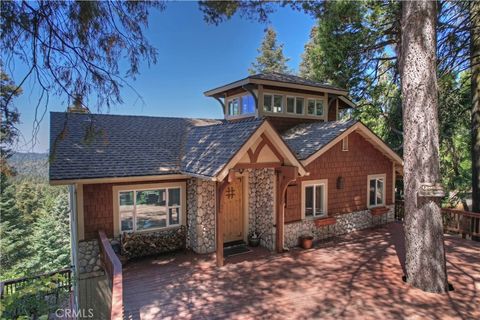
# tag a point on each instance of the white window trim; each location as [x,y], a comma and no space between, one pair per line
[295,98]
[345,144]
[151,186]
[305,98]
[376,176]
[294,104]
[308,183]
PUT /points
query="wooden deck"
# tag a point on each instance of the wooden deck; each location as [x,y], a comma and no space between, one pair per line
[359,277]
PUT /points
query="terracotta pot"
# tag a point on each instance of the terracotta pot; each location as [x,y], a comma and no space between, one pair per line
[253,242]
[306,242]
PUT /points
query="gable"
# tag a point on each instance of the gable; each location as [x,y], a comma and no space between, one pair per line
[264,148]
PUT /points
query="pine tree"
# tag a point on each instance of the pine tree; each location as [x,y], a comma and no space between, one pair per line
[270,58]
[50,238]
[14,234]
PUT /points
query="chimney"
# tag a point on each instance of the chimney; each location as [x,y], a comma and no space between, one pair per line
[78,106]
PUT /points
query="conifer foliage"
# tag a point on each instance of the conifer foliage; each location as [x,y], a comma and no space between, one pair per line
[271,58]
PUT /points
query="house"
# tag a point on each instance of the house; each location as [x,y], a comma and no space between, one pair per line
[280,164]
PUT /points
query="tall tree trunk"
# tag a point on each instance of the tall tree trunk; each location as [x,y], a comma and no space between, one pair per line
[425,254]
[475,84]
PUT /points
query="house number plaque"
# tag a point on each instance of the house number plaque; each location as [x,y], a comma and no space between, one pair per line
[431,190]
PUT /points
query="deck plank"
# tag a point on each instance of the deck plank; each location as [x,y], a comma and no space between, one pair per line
[359,276]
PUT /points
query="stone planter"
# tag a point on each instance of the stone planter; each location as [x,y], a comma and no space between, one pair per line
[306,242]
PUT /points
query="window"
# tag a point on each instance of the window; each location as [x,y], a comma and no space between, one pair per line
[241,105]
[290,104]
[295,105]
[376,190]
[267,102]
[149,209]
[233,107]
[273,103]
[248,104]
[299,105]
[315,107]
[314,198]
[345,144]
[277,103]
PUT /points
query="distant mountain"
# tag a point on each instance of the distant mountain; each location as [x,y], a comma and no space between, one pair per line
[30,165]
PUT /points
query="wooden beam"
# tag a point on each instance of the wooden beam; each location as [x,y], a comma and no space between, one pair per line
[285,175]
[272,147]
[258,165]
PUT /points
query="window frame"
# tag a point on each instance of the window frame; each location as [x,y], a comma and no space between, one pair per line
[295,99]
[238,97]
[314,183]
[286,95]
[377,177]
[148,187]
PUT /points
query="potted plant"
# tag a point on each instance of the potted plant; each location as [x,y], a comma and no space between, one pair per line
[254,239]
[306,241]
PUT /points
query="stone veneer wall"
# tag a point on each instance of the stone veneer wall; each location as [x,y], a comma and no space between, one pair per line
[345,223]
[261,210]
[88,257]
[201,215]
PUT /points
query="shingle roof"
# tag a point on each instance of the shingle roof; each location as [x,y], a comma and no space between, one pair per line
[306,139]
[208,149]
[288,78]
[121,146]
[273,76]
[124,146]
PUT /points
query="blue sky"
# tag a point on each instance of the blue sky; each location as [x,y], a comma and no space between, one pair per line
[193,57]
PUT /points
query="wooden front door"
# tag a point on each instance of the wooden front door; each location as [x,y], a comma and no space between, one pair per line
[232,208]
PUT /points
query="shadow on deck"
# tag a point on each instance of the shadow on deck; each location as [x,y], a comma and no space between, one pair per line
[358,276]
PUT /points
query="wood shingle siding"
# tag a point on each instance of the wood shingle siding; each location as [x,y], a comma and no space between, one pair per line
[354,166]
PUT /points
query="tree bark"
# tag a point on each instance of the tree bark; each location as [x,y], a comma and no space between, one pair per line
[425,254]
[475,87]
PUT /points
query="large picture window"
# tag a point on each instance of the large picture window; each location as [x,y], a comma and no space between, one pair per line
[149,209]
[376,190]
[314,198]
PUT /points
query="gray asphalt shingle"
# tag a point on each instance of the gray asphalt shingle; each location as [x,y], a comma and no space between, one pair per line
[208,149]
[306,139]
[288,78]
[123,146]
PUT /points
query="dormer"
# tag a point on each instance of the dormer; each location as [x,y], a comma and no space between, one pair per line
[286,100]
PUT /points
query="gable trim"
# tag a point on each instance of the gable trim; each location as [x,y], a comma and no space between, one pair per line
[266,132]
[365,133]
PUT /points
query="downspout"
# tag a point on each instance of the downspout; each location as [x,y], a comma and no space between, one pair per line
[72,201]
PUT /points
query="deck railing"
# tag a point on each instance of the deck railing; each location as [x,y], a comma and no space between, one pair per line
[113,268]
[465,223]
[61,280]
[461,222]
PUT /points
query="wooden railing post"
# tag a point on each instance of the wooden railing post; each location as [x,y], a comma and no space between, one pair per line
[113,268]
